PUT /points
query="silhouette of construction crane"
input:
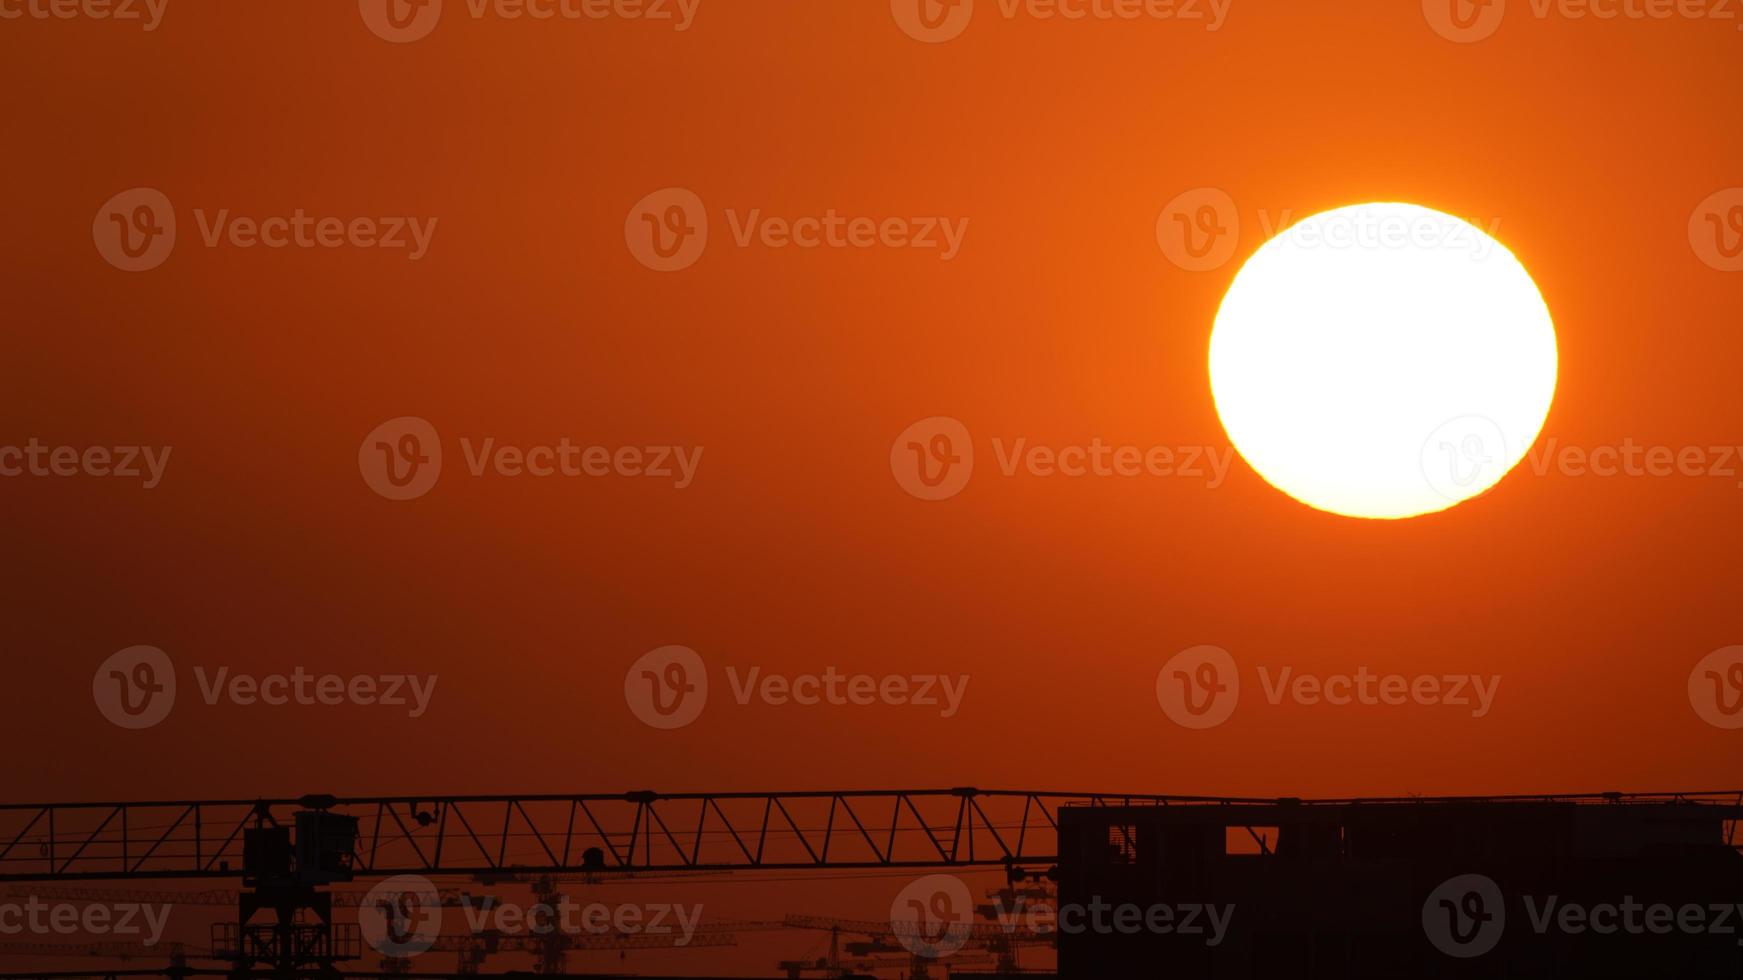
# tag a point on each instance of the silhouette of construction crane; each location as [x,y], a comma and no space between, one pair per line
[177,954]
[996,942]
[587,834]
[204,898]
[471,950]
[550,951]
[835,966]
[289,852]
[550,947]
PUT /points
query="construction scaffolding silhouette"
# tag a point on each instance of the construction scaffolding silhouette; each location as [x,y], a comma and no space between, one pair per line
[1325,888]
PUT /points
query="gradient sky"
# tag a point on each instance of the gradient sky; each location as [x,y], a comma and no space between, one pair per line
[1590,142]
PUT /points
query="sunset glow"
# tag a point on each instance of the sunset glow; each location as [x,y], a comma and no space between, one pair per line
[1383,361]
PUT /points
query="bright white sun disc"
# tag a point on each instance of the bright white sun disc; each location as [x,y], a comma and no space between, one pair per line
[1383,361]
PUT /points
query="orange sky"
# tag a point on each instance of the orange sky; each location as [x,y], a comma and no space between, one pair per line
[1059,320]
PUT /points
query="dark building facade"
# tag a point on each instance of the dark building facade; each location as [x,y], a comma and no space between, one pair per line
[1602,887]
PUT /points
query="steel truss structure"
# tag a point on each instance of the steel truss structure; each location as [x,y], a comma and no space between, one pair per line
[609,833]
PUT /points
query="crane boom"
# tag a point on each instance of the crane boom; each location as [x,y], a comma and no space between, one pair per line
[480,835]
[593,834]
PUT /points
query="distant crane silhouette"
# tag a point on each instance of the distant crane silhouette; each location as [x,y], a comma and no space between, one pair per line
[984,940]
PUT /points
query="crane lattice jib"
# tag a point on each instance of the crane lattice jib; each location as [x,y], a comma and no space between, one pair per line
[605,833]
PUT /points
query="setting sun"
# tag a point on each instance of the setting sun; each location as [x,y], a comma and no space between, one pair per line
[1383,361]
[880,490]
